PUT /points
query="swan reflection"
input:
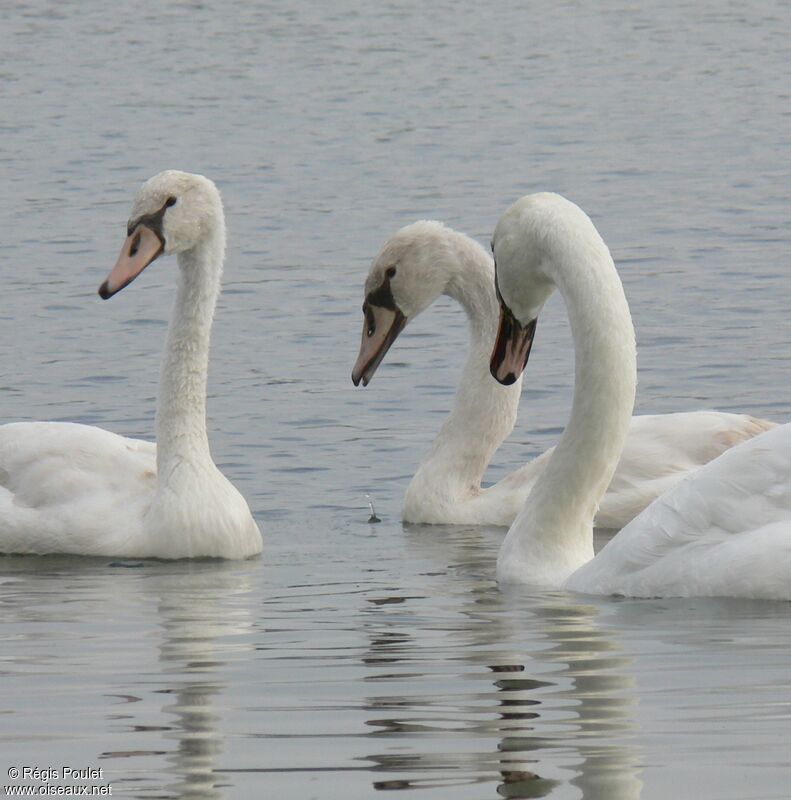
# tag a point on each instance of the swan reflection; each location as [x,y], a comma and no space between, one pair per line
[561,715]
[203,618]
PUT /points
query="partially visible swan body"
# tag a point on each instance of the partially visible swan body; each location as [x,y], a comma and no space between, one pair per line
[69,488]
[724,531]
[425,260]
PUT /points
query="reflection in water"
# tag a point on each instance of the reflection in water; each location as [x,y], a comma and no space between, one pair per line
[560,716]
[195,610]
[596,699]
[419,674]
[161,735]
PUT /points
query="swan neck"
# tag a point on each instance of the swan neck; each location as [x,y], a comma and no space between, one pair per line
[181,407]
[471,284]
[484,412]
[553,535]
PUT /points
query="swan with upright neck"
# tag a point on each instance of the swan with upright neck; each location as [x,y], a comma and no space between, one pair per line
[724,531]
[78,489]
[425,260]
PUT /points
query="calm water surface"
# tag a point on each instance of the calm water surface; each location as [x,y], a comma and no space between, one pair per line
[355,658]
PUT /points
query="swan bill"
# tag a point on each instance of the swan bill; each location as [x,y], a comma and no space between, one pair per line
[140,248]
[512,347]
[380,330]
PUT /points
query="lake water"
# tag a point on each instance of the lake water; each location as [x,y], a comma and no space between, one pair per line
[355,658]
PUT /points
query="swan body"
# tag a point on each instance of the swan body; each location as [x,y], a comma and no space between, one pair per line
[71,488]
[426,260]
[723,531]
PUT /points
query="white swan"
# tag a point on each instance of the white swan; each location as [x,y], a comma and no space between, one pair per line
[69,488]
[724,531]
[415,266]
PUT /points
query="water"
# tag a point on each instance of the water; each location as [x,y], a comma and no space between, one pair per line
[354,658]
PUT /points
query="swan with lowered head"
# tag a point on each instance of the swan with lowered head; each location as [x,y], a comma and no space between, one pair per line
[425,260]
[724,531]
[71,488]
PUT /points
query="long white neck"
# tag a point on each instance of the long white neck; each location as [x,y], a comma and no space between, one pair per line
[553,535]
[181,406]
[484,412]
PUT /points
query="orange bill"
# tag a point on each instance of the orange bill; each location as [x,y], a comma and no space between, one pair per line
[141,247]
[512,347]
[380,329]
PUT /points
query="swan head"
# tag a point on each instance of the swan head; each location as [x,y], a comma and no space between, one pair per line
[527,242]
[172,213]
[410,272]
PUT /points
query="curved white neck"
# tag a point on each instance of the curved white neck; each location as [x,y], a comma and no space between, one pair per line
[484,412]
[553,534]
[181,405]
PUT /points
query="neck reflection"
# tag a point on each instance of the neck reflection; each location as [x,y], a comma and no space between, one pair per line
[526,690]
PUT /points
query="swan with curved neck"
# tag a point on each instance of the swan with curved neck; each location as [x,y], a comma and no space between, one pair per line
[70,488]
[425,260]
[725,531]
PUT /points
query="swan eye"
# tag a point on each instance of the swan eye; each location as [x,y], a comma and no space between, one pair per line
[390,272]
[171,201]
[135,246]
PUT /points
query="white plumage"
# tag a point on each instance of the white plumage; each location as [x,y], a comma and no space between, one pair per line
[69,488]
[723,531]
[430,260]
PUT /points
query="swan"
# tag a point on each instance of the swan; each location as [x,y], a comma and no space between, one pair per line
[425,260]
[78,489]
[723,531]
